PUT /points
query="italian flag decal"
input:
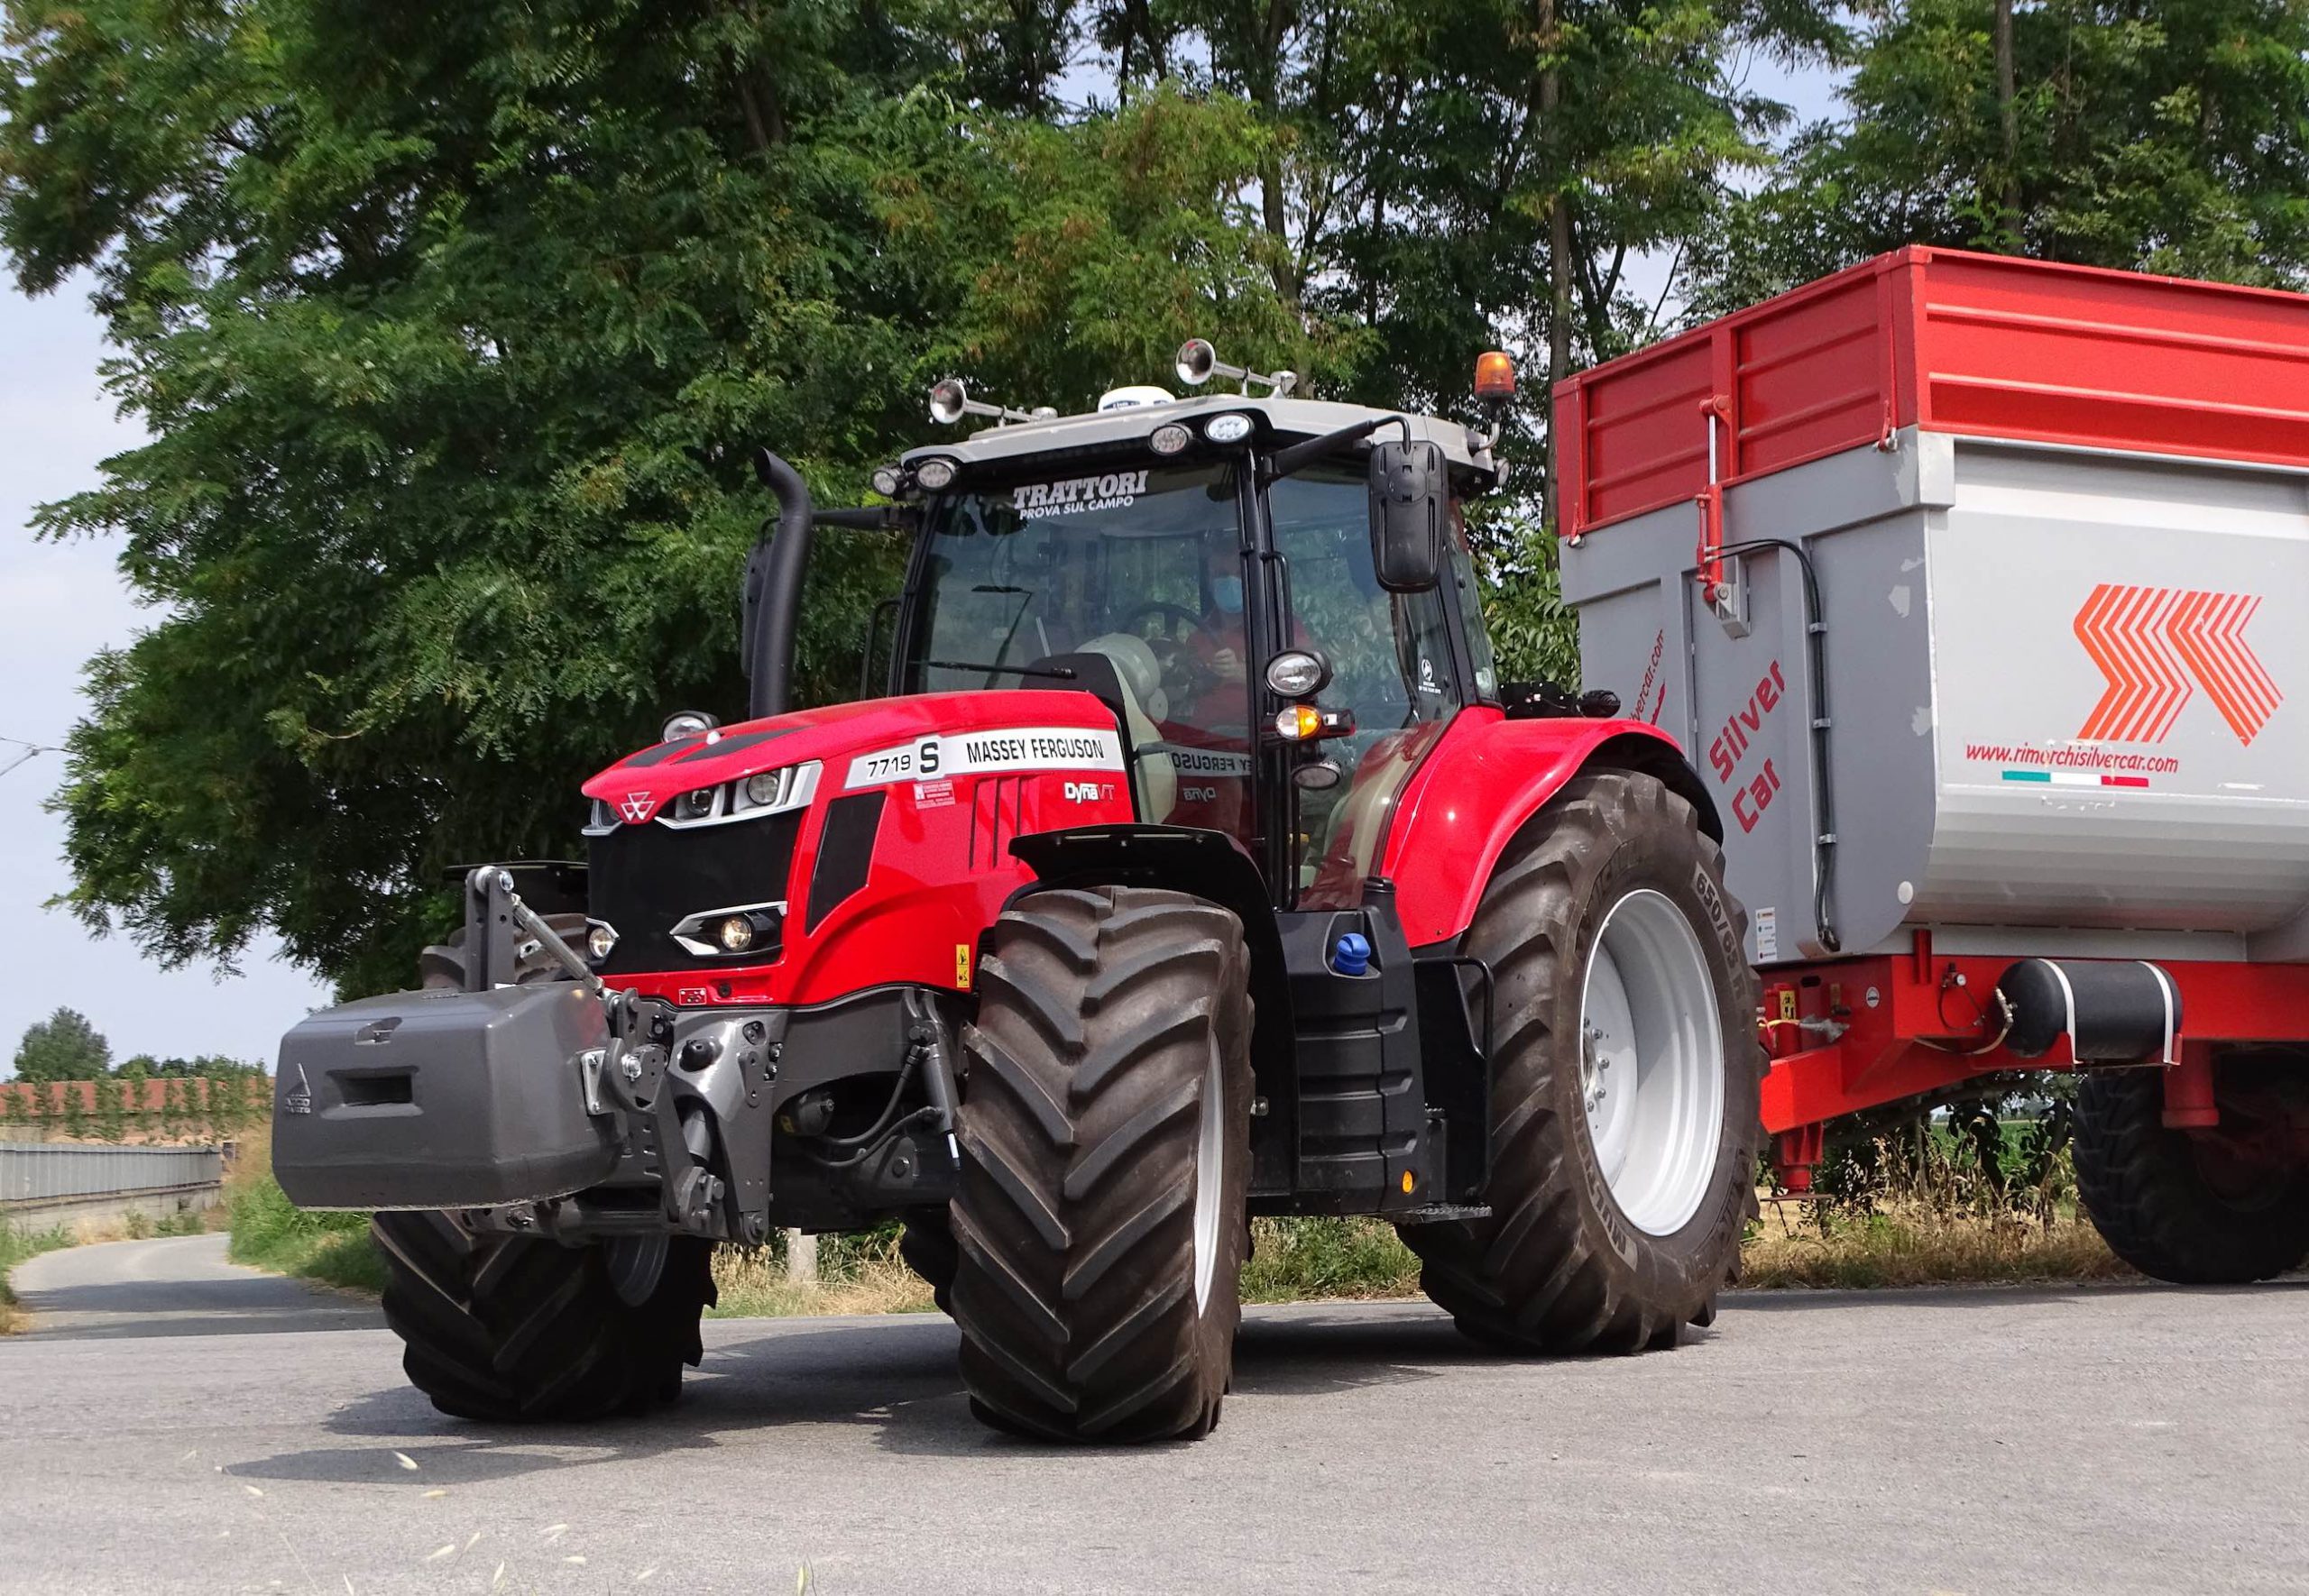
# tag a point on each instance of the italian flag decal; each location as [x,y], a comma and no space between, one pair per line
[2061,778]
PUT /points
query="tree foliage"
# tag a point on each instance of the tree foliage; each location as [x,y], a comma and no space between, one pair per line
[2137,133]
[63,1046]
[452,326]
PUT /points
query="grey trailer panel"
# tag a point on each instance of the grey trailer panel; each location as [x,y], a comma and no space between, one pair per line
[1958,583]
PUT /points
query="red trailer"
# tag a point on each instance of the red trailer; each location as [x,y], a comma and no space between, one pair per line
[1975,586]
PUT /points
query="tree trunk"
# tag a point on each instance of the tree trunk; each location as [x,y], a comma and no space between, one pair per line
[1559,235]
[2008,117]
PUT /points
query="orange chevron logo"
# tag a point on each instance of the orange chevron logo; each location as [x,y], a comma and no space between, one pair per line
[2156,645]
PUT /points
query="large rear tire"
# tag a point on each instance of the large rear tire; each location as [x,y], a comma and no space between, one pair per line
[2197,1208]
[1625,1104]
[1102,1211]
[517,1329]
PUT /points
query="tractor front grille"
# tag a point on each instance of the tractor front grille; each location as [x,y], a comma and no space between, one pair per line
[646,879]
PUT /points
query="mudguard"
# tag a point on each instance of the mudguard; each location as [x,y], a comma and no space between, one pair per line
[1483,779]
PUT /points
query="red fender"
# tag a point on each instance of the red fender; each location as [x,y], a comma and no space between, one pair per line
[1483,780]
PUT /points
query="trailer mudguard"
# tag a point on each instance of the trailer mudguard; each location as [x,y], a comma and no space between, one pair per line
[1483,781]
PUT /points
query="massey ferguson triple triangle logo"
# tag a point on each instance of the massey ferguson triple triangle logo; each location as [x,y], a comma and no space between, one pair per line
[638,807]
[2156,646]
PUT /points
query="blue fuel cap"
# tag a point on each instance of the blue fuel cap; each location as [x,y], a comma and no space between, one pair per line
[1351,954]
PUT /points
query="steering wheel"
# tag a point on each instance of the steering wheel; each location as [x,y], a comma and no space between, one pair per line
[1157,607]
[1177,661]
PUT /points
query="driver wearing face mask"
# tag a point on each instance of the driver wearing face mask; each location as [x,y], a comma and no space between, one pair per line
[1218,642]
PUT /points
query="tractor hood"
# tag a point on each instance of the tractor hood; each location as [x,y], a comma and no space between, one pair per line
[875,744]
[804,857]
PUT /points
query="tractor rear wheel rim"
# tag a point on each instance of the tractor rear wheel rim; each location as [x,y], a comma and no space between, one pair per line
[1652,1062]
[1209,1158]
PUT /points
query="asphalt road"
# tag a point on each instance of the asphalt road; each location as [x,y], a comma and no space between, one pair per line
[174,1285]
[2111,1438]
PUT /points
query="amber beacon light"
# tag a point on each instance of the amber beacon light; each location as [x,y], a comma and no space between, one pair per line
[1494,376]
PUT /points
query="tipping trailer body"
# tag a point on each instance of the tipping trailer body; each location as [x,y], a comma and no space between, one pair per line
[2042,698]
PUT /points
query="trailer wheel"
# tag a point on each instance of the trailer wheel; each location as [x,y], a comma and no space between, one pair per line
[928,1246]
[516,1329]
[1101,1210]
[1625,1101]
[2198,1208]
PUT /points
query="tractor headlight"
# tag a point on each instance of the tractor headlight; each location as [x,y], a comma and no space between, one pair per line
[770,792]
[888,480]
[601,940]
[1297,672]
[1232,428]
[1169,438]
[735,934]
[684,723]
[935,474]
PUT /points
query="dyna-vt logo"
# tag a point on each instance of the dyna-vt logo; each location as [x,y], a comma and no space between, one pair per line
[2156,645]
[1089,791]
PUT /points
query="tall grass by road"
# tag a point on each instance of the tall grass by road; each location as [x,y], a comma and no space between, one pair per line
[1930,1207]
[271,1232]
[15,1246]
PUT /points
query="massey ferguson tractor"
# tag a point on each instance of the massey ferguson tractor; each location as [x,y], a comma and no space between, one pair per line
[1195,864]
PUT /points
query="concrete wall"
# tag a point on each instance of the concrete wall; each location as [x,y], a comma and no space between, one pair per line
[45,1186]
[74,1213]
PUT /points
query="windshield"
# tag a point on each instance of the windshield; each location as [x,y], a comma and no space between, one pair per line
[1142,568]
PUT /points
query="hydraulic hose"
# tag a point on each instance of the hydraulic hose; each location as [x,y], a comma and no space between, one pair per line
[1816,669]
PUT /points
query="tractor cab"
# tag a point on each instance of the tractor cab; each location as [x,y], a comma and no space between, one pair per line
[1157,555]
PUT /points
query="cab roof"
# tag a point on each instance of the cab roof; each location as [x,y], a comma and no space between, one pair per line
[1277,419]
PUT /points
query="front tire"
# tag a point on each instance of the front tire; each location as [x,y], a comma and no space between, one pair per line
[1102,1211]
[518,1329]
[1625,1099]
[2195,1208]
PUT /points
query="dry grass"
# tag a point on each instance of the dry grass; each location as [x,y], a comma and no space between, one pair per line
[1906,1245]
[754,1286]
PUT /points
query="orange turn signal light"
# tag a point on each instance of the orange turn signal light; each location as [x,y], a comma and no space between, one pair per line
[1494,376]
[1304,723]
[1299,722]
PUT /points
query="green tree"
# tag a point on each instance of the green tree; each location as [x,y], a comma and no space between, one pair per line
[453,325]
[2131,133]
[63,1046]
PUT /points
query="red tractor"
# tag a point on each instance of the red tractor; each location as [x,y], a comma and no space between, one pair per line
[1195,866]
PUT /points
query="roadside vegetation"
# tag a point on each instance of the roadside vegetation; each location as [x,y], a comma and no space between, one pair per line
[15,1246]
[1970,1196]
[1969,1199]
[270,1233]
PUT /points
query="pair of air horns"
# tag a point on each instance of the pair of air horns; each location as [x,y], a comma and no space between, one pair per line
[1198,363]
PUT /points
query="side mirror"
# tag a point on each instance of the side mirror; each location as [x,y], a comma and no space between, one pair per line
[1409,507]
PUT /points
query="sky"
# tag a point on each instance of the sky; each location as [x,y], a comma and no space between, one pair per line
[59,603]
